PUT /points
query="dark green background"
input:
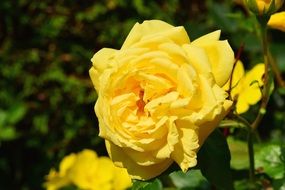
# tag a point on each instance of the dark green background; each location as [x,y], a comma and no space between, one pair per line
[46,97]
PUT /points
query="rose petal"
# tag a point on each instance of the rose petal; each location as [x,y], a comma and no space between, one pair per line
[142,158]
[206,128]
[175,53]
[177,35]
[185,150]
[237,81]
[220,54]
[152,28]
[198,59]
[136,171]
[102,60]
[222,59]
[186,81]
[208,38]
[94,75]
[147,27]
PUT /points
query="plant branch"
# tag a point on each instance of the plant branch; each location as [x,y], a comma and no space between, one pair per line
[276,71]
[266,88]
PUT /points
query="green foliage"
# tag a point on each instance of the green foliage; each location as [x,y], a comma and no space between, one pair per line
[193,179]
[239,154]
[150,185]
[214,161]
[8,118]
[269,158]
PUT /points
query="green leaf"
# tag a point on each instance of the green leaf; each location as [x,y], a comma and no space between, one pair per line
[3,117]
[244,184]
[214,161]
[241,185]
[8,133]
[193,179]
[147,185]
[239,153]
[269,158]
[279,184]
[41,123]
[16,113]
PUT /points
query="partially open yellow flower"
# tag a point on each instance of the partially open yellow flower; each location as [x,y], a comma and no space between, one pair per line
[250,92]
[277,21]
[160,96]
[57,180]
[246,89]
[86,170]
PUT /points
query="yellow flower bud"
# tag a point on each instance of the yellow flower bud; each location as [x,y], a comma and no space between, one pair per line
[277,21]
[261,7]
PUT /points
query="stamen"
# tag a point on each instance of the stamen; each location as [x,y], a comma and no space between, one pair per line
[140,103]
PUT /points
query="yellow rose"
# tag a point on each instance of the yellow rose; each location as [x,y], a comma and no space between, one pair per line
[160,96]
[86,170]
[264,6]
[277,21]
[246,88]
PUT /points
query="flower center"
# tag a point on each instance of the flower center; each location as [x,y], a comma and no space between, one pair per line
[140,103]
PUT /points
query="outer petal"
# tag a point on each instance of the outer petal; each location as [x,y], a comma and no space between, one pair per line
[149,29]
[277,21]
[220,54]
[206,128]
[238,74]
[142,158]
[184,152]
[198,59]
[136,171]
[101,60]
[208,38]
[94,75]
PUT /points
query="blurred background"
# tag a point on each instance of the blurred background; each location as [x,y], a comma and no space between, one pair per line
[46,96]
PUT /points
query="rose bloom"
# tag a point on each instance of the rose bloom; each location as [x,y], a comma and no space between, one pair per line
[160,96]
